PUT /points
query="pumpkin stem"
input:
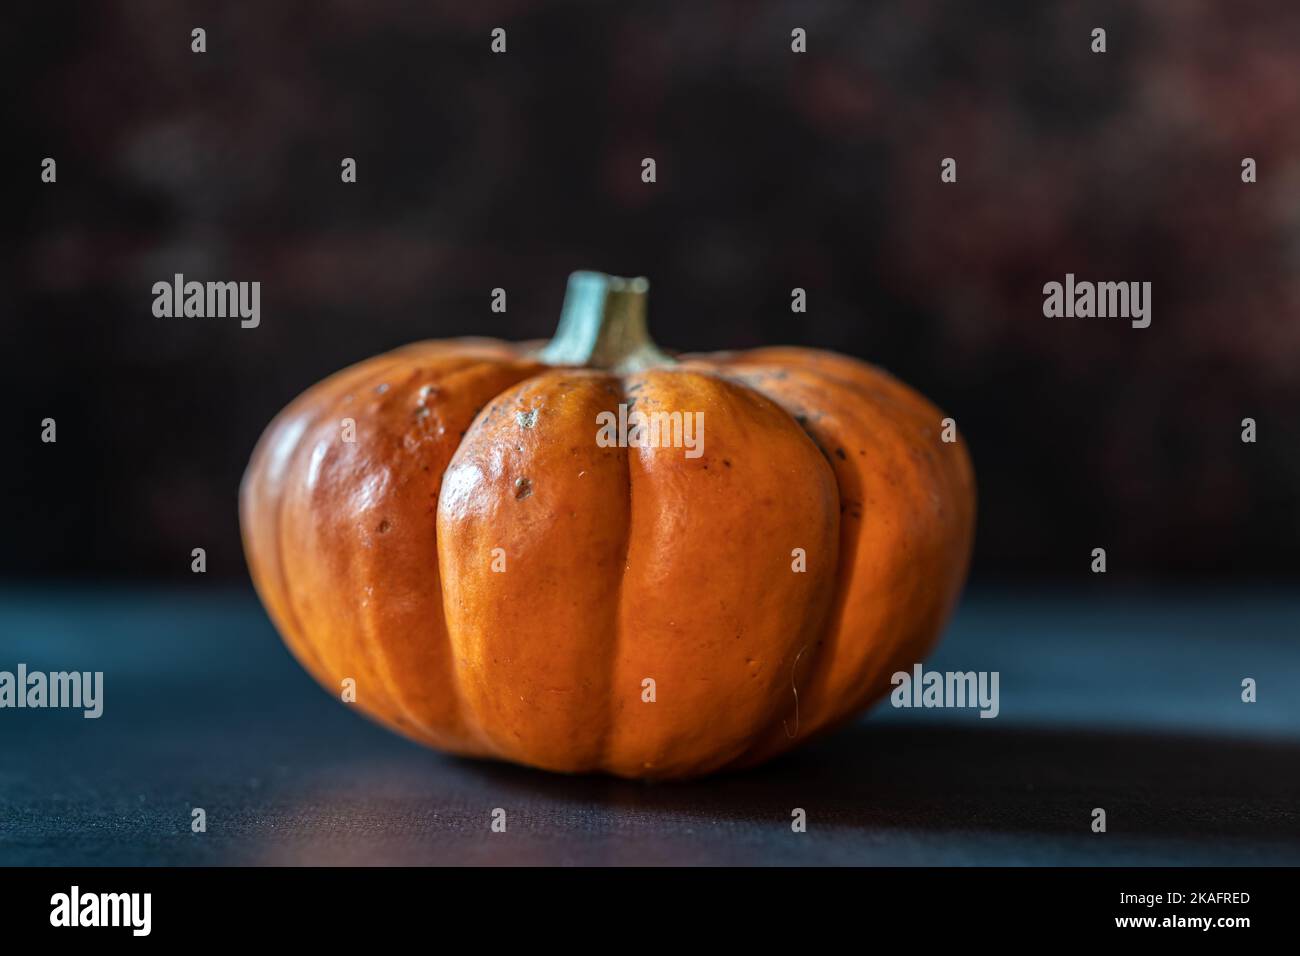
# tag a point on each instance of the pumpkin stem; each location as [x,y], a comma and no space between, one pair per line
[602,325]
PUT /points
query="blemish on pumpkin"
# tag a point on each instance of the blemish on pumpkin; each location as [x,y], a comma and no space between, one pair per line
[727,462]
[795,689]
[384,526]
[527,419]
[840,453]
[523,488]
[381,388]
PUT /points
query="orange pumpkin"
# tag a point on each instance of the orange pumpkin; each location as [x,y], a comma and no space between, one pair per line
[450,526]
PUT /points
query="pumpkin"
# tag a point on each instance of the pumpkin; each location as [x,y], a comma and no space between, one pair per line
[442,526]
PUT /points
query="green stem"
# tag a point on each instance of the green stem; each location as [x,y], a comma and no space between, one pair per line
[602,325]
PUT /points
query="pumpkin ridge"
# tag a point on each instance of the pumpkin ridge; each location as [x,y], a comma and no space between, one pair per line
[762,746]
[744,420]
[922,412]
[313,417]
[908,405]
[608,731]
[448,377]
[330,410]
[299,646]
[479,504]
[818,671]
[470,720]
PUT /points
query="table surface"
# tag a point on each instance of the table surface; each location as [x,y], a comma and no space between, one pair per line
[1132,704]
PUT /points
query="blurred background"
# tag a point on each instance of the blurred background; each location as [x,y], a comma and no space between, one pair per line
[775,170]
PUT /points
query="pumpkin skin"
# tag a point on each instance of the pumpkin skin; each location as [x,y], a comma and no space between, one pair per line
[377,558]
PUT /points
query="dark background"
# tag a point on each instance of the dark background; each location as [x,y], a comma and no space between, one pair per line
[774,170]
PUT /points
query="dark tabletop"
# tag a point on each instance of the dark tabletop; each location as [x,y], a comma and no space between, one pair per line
[1128,704]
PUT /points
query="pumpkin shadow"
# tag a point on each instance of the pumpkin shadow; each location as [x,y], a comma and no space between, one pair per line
[945,777]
